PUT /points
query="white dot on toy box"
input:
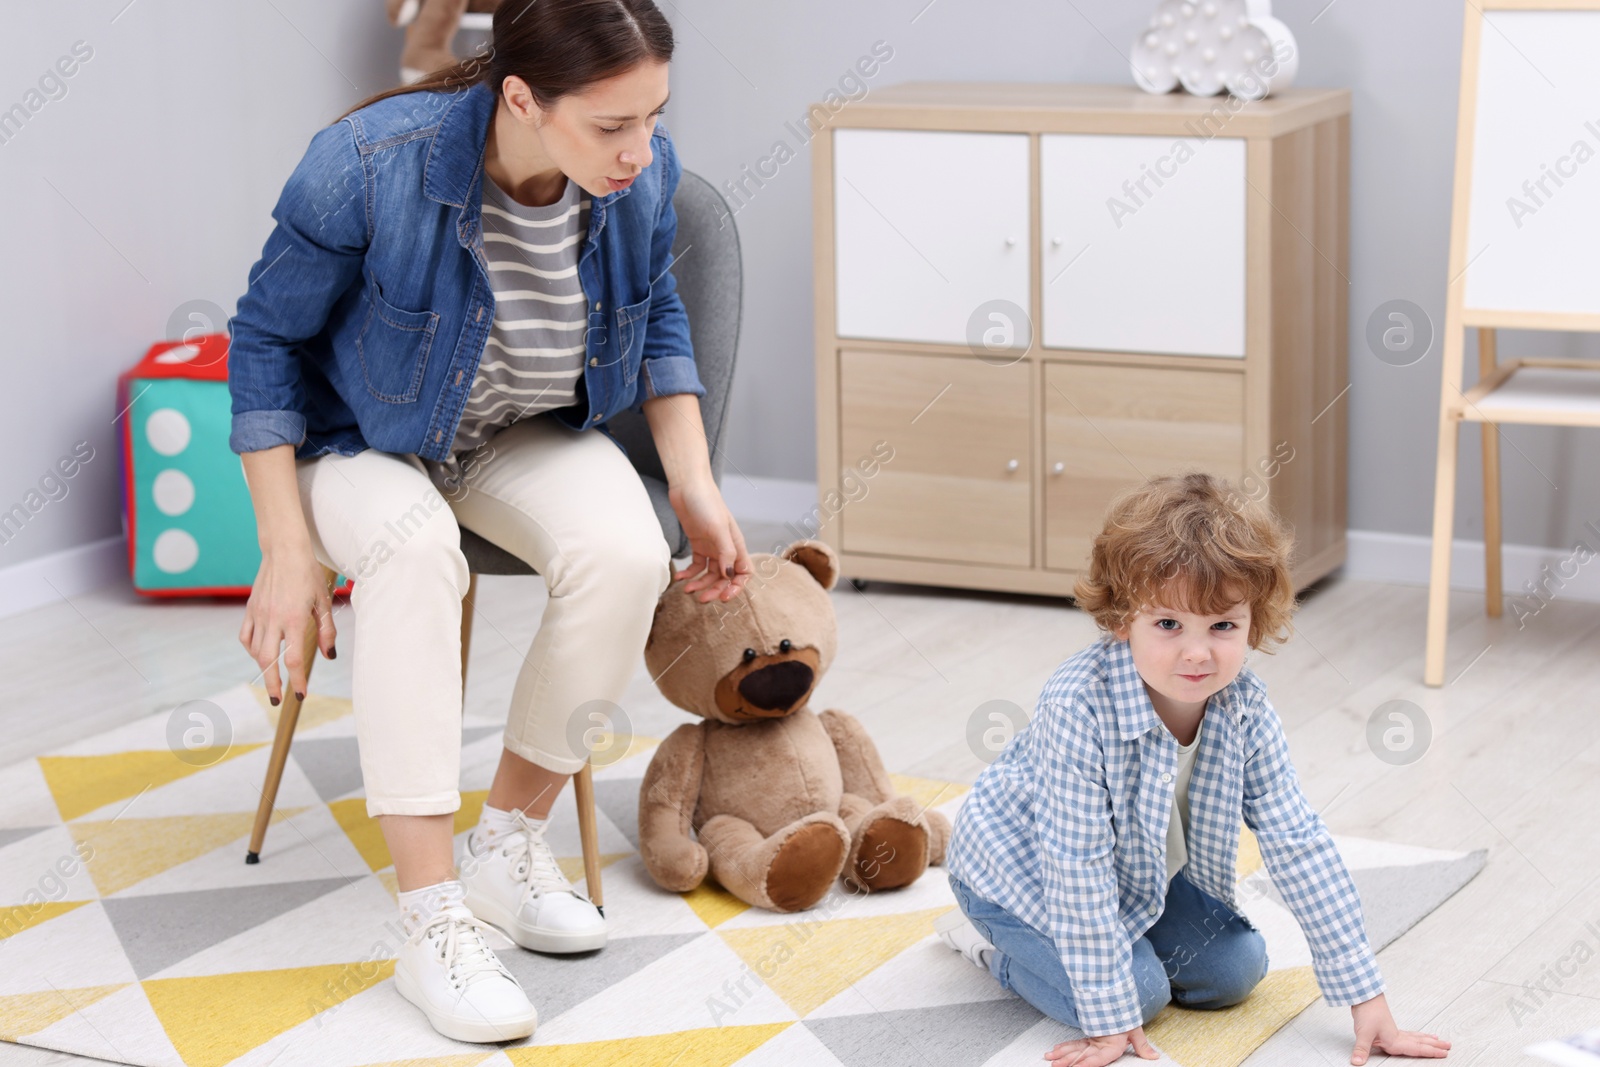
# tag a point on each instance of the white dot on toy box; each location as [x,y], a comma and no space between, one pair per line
[169,432]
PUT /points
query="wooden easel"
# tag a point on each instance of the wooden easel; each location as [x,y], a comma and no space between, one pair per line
[1531,254]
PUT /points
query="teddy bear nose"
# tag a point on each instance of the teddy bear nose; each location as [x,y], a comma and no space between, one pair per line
[777,686]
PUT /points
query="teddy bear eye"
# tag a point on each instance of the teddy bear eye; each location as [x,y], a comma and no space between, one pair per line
[749,654]
[785,645]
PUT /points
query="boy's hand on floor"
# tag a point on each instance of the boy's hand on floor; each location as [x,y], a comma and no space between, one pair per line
[1376,1031]
[1099,1051]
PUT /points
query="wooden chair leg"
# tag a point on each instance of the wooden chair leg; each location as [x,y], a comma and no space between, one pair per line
[1494,596]
[288,717]
[588,832]
[468,606]
[1444,505]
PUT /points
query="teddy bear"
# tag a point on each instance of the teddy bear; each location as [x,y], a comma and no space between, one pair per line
[781,800]
[430,26]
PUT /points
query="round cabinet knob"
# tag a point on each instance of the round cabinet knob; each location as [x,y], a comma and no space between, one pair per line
[1055,242]
[1010,241]
[1058,467]
[1012,464]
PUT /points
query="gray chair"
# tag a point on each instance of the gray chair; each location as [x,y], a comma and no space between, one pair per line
[707,265]
[709,271]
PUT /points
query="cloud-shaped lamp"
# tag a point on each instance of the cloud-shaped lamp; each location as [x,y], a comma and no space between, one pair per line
[1211,45]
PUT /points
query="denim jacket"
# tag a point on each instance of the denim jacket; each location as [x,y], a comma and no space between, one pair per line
[370,307]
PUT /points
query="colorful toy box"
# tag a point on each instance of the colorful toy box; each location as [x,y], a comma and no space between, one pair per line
[186,509]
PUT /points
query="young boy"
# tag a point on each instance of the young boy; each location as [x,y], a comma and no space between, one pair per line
[1093,861]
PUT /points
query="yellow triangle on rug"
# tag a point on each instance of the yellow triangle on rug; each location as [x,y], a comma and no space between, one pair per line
[19,917]
[808,962]
[81,784]
[29,1013]
[130,850]
[572,866]
[1214,1038]
[928,792]
[214,1019]
[1248,861]
[714,904]
[715,1046]
[318,709]
[366,834]
[471,1059]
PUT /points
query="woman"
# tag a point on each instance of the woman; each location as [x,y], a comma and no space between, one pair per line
[467,275]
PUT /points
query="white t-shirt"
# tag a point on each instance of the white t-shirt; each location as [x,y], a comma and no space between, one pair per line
[1178,827]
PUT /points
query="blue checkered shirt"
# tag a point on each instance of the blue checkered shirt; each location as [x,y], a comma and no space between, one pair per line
[1067,830]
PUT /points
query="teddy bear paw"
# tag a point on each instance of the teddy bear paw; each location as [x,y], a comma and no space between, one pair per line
[806,864]
[893,852]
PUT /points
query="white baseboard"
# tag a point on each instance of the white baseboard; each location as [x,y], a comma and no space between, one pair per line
[768,500]
[45,580]
[1375,556]
[1405,559]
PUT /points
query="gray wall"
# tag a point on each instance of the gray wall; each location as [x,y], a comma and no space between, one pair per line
[147,186]
[144,187]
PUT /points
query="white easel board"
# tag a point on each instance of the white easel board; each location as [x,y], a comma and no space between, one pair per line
[1533,242]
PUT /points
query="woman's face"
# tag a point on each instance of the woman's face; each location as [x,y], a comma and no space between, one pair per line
[600,138]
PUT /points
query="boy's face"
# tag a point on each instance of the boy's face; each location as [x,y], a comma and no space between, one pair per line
[1184,658]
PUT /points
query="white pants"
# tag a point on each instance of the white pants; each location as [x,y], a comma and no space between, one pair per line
[567,502]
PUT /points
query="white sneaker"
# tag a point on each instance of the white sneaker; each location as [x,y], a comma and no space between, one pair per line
[515,883]
[957,931]
[447,969]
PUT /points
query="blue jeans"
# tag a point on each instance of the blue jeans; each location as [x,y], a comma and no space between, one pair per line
[1199,954]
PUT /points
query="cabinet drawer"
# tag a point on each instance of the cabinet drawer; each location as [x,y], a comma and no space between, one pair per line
[928,226]
[1107,428]
[957,487]
[1143,245]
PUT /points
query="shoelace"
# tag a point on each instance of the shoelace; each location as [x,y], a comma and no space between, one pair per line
[462,947]
[532,861]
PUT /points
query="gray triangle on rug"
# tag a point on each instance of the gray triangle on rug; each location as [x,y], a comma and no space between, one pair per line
[1394,899]
[618,798]
[331,764]
[162,929]
[951,1035]
[17,833]
[559,982]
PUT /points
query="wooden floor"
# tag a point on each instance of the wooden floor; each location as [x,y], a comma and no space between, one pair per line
[1514,763]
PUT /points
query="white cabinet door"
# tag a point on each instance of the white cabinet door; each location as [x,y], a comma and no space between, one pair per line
[1143,243]
[929,227]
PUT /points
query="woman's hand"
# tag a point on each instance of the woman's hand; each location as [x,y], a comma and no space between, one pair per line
[1099,1051]
[721,565]
[289,595]
[1375,1029]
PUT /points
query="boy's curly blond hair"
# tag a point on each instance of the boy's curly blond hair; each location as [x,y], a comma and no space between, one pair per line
[1191,542]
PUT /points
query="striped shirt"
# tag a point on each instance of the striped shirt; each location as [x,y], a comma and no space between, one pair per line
[1067,830]
[534,355]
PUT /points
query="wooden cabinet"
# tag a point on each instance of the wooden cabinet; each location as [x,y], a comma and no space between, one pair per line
[1135,261]
[958,486]
[1030,297]
[1108,428]
[930,225]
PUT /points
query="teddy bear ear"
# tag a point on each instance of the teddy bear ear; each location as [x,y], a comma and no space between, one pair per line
[816,557]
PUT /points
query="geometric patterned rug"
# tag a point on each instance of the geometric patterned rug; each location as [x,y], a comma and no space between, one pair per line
[132,930]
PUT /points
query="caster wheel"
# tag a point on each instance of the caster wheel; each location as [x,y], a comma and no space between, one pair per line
[860,584]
